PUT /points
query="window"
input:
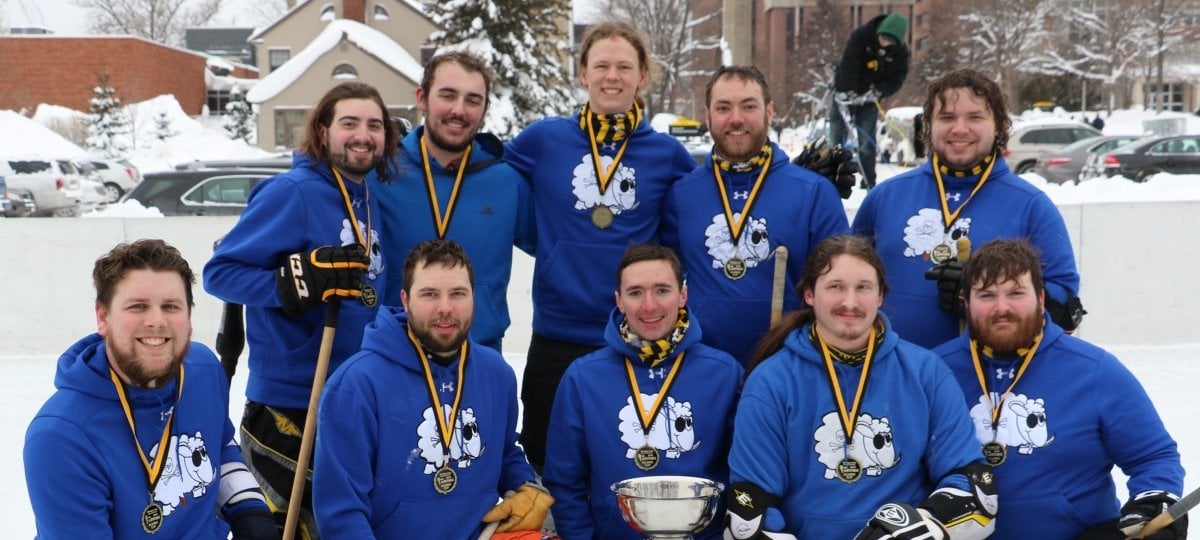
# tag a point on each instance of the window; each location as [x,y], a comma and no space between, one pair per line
[1170,95]
[345,71]
[217,99]
[221,190]
[289,127]
[381,13]
[277,57]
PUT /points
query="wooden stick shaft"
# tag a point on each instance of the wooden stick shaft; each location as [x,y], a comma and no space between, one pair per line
[781,258]
[310,422]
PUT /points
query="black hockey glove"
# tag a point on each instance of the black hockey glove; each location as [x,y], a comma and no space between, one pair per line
[309,279]
[949,283]
[833,163]
[899,521]
[254,524]
[1145,506]
[1067,315]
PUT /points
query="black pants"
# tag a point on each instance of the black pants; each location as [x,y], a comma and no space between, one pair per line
[270,438]
[544,367]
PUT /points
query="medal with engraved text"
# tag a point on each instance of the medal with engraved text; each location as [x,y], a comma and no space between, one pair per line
[445,480]
[152,518]
[849,470]
[994,453]
[602,217]
[735,268]
[646,458]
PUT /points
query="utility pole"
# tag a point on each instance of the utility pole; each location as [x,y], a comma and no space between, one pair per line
[737,22]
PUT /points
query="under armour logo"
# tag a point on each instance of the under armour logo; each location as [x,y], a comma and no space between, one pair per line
[741,195]
[662,373]
[610,146]
[1000,373]
[448,386]
[164,415]
[953,196]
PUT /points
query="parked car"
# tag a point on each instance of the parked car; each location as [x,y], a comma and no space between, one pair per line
[200,192]
[53,183]
[93,195]
[117,175]
[1030,141]
[1143,158]
[281,162]
[1066,164]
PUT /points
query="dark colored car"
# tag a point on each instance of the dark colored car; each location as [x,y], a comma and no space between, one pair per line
[200,192]
[1141,159]
[1065,164]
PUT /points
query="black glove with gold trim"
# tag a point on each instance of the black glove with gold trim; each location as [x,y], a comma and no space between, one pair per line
[309,279]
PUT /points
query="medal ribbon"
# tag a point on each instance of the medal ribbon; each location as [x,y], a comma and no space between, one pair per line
[358,234]
[735,225]
[445,425]
[440,223]
[603,176]
[153,470]
[947,216]
[848,417]
[978,363]
[646,416]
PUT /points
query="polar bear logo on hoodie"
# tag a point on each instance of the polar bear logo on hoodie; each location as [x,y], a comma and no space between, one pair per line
[1021,423]
[870,445]
[619,195]
[753,246]
[188,469]
[672,432]
[466,444]
[926,230]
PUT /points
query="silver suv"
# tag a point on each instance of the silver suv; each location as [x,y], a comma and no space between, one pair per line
[1029,142]
[53,183]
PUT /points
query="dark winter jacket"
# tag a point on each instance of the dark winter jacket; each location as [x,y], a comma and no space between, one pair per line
[866,65]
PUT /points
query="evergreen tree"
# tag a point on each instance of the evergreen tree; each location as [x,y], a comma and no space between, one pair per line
[239,122]
[162,127]
[525,45]
[109,132]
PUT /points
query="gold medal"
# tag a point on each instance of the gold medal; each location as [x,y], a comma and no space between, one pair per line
[940,253]
[646,458]
[152,517]
[849,470]
[994,453]
[735,268]
[369,296]
[602,217]
[445,480]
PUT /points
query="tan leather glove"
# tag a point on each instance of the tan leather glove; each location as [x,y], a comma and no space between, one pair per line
[523,510]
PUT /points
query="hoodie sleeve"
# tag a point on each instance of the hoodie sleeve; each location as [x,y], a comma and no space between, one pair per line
[849,76]
[526,237]
[242,270]
[1048,232]
[567,473]
[1132,431]
[891,78]
[345,451]
[70,496]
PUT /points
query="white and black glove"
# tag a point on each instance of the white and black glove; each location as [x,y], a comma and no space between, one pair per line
[1145,506]
[870,96]
[307,280]
[746,518]
[900,521]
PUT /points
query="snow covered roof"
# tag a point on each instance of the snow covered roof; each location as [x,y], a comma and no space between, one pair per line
[412,4]
[368,39]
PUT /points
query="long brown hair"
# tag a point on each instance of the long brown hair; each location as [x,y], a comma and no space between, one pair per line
[322,116]
[980,85]
[819,263]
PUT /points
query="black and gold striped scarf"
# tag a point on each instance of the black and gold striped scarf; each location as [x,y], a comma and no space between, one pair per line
[654,352]
[607,128]
[854,358]
[973,171]
[745,166]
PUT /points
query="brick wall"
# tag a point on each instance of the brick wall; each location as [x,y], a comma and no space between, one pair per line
[63,71]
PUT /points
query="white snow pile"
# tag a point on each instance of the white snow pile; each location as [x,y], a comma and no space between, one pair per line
[23,137]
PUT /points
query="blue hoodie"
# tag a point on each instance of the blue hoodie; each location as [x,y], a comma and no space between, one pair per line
[294,212]
[1074,414]
[378,443]
[904,217]
[594,429]
[84,475]
[493,213]
[795,207]
[574,275]
[787,431]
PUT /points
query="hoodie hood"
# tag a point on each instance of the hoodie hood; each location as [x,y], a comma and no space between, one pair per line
[612,335]
[84,368]
[387,336]
[797,343]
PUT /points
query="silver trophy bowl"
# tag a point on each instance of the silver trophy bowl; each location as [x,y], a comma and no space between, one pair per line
[664,507]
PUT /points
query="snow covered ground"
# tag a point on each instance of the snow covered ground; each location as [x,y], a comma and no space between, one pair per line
[1166,372]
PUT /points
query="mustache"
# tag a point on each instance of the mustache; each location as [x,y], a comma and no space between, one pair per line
[857,312]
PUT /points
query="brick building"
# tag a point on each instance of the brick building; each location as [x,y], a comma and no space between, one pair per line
[63,70]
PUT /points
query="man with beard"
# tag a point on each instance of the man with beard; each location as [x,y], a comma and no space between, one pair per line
[121,450]
[843,424]
[1054,413]
[728,216]
[417,432]
[925,221]
[307,236]
[451,183]
[670,396]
